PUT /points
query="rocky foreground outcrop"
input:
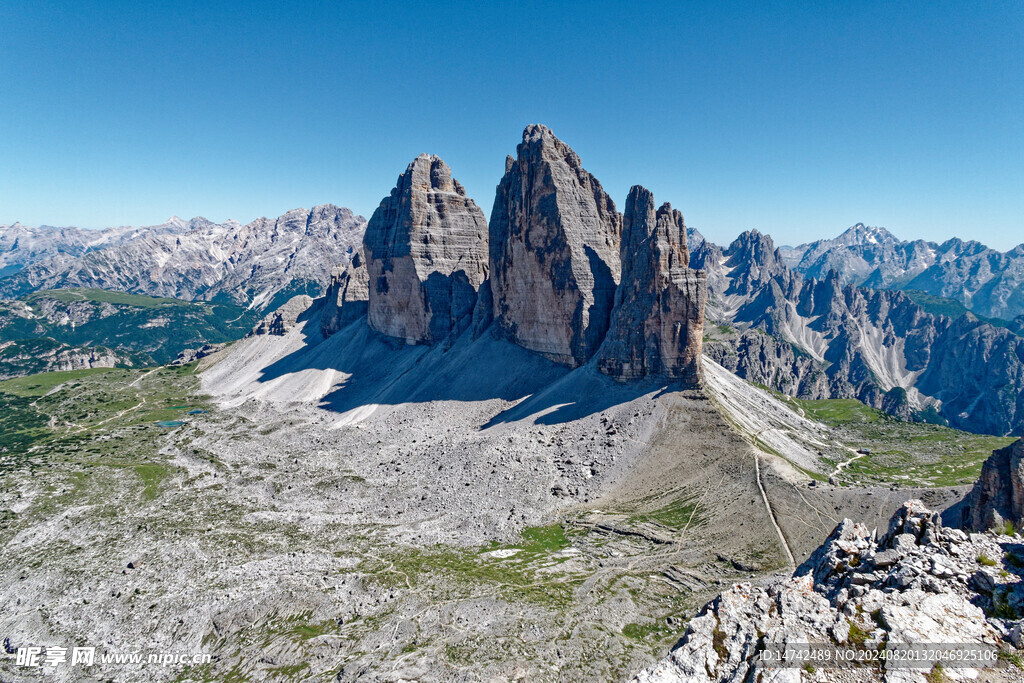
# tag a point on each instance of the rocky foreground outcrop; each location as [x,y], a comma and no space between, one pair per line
[998,495]
[554,251]
[920,583]
[657,323]
[426,255]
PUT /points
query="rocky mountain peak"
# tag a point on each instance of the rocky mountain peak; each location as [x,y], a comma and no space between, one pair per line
[754,247]
[657,323]
[426,255]
[861,234]
[554,251]
[754,260]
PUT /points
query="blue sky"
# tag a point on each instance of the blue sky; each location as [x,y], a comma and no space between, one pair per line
[798,119]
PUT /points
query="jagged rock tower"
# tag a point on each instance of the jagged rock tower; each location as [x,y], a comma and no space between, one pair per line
[554,251]
[347,296]
[998,495]
[657,325]
[426,256]
[545,273]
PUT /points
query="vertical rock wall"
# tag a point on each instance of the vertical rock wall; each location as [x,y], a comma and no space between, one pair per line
[554,251]
[347,296]
[426,256]
[657,325]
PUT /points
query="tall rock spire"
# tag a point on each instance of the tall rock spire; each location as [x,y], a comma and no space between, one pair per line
[554,251]
[426,255]
[657,325]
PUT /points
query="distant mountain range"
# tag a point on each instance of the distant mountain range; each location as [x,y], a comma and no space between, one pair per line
[821,338]
[922,330]
[987,282]
[139,296]
[260,264]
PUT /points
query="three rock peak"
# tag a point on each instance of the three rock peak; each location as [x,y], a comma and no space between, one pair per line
[557,270]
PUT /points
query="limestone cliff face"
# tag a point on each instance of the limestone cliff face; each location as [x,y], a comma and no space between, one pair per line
[554,251]
[998,495]
[347,296]
[657,324]
[426,255]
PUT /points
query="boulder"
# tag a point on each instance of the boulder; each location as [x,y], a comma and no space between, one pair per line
[657,325]
[554,251]
[426,256]
[347,296]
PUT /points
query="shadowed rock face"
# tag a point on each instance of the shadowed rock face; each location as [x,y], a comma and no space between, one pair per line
[998,495]
[347,296]
[426,255]
[657,324]
[554,251]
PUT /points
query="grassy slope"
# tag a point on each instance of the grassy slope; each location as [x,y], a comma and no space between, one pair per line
[902,452]
[104,296]
[67,420]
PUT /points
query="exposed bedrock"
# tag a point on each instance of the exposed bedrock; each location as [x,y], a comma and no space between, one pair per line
[998,495]
[347,296]
[281,321]
[657,324]
[426,256]
[554,251]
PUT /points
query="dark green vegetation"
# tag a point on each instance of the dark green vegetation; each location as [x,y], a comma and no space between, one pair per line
[909,453]
[951,308]
[45,330]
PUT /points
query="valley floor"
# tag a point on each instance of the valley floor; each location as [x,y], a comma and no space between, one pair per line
[352,509]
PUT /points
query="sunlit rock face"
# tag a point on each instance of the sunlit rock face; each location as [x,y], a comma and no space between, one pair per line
[426,256]
[554,251]
[998,495]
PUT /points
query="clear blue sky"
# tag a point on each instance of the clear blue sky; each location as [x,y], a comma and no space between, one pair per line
[798,119]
